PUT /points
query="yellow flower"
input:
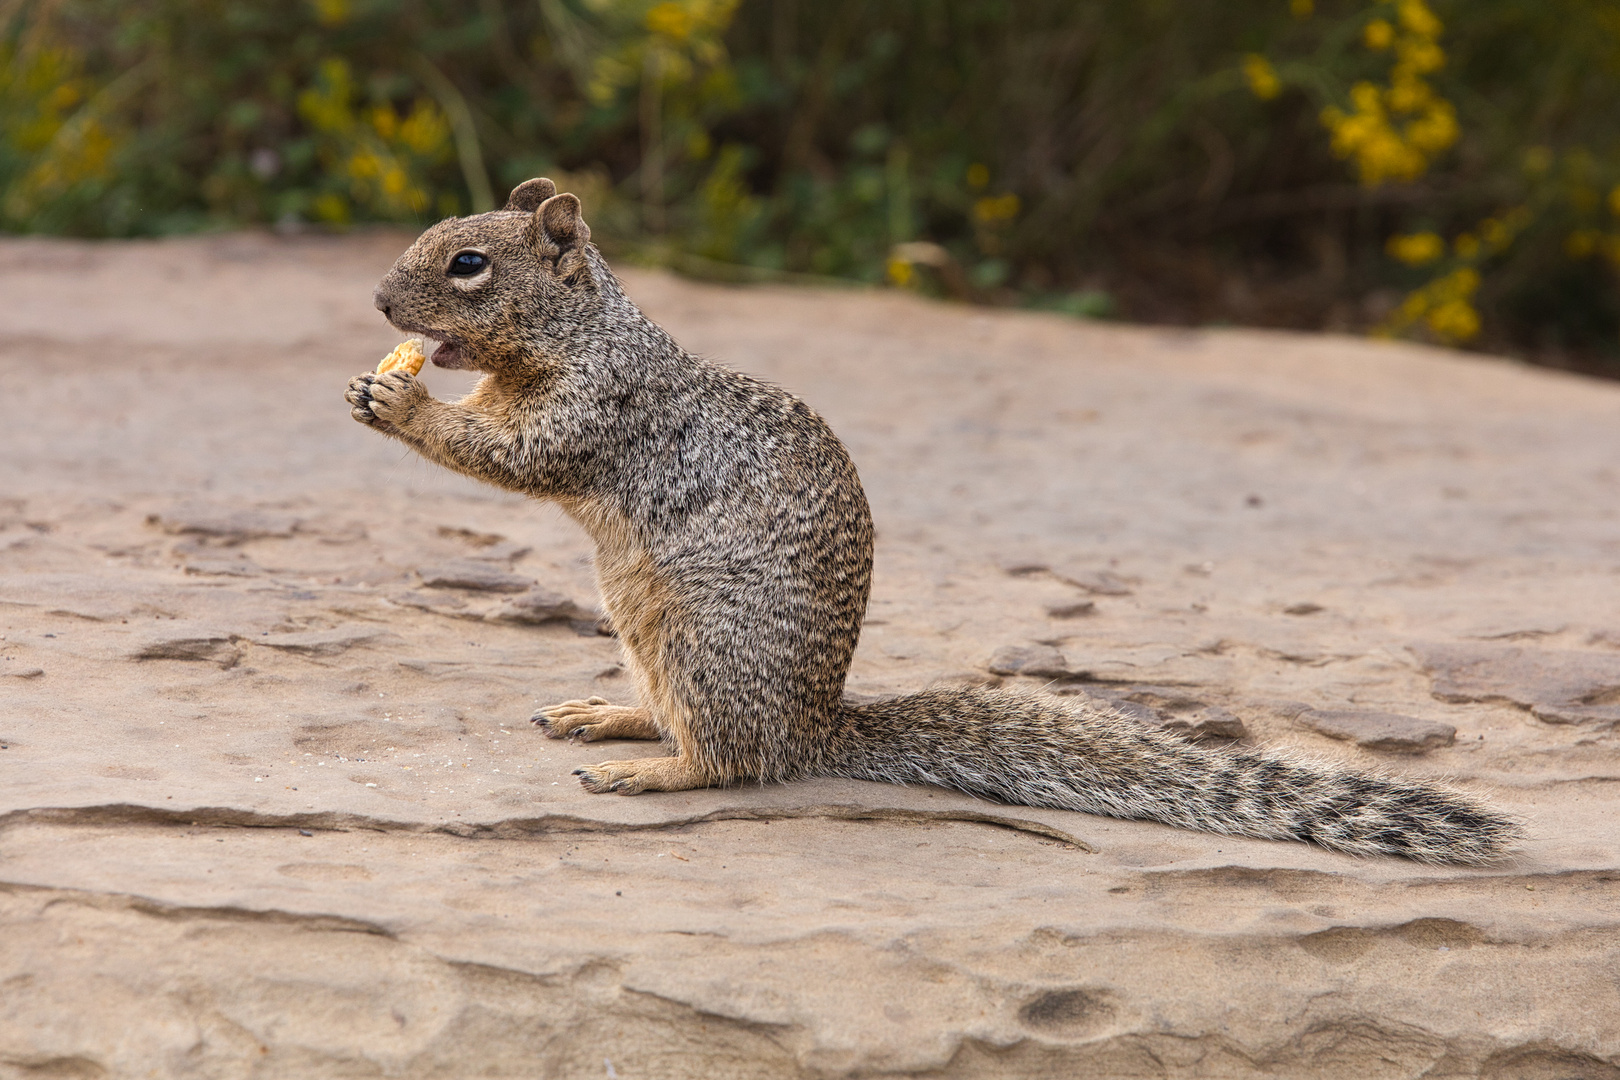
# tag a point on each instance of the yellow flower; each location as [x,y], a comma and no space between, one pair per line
[330,207]
[1443,304]
[1417,18]
[1417,248]
[1419,57]
[978,176]
[426,131]
[384,121]
[326,105]
[1435,130]
[364,164]
[1366,98]
[671,20]
[1581,243]
[900,271]
[331,12]
[1466,245]
[1367,135]
[993,208]
[1262,77]
[1407,94]
[1454,320]
[64,97]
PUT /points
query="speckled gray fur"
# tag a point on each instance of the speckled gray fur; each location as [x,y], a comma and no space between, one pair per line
[734,552]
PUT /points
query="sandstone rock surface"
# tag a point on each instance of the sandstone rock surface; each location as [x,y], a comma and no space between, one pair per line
[1560,686]
[269,807]
[1380,730]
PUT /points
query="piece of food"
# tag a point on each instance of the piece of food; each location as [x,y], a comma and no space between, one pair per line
[407,357]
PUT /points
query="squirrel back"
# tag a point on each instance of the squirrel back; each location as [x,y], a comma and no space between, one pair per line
[734,554]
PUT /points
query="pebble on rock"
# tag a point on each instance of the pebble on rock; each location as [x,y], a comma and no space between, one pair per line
[214,647]
[1209,721]
[475,576]
[1097,582]
[1379,730]
[1022,565]
[224,525]
[540,605]
[1036,661]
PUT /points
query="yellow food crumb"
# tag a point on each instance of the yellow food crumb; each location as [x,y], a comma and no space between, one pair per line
[407,357]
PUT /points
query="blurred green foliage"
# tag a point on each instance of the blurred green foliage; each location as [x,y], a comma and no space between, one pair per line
[1430,168]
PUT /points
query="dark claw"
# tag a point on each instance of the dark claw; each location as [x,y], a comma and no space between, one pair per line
[360,396]
[579,772]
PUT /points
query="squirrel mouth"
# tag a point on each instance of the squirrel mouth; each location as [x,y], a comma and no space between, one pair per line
[448,355]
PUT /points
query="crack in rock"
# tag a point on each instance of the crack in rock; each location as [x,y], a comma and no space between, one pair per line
[158,909]
[512,828]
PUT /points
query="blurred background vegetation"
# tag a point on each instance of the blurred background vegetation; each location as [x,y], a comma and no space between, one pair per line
[1437,169]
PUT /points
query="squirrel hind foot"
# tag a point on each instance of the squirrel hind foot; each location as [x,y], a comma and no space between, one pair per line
[641,774]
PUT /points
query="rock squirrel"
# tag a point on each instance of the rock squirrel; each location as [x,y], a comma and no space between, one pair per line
[734,555]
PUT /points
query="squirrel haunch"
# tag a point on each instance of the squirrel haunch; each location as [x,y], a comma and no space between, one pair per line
[734,555]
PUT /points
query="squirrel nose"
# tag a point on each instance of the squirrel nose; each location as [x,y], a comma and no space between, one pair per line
[380,299]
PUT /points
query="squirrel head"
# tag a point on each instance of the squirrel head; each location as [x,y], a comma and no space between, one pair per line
[501,289]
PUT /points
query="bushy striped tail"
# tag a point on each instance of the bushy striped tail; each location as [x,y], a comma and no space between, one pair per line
[1042,751]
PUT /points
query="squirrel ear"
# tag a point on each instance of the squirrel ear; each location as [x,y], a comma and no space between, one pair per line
[528,195]
[560,221]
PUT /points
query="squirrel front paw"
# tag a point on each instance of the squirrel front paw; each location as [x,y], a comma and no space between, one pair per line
[594,719]
[384,400]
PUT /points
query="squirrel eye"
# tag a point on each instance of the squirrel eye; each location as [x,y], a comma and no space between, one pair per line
[467,263]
